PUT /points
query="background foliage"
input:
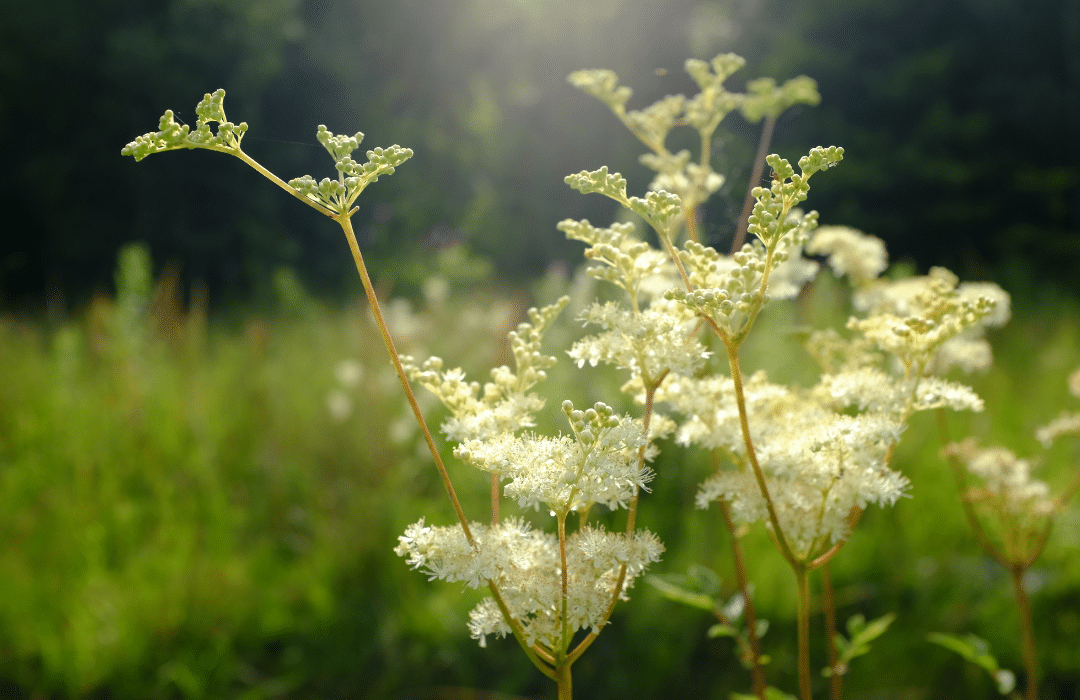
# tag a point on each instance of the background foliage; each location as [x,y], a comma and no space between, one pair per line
[959,122]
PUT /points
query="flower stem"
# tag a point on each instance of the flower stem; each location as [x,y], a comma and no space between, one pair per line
[346,225]
[757,671]
[755,178]
[751,455]
[1028,633]
[802,578]
[830,631]
[565,683]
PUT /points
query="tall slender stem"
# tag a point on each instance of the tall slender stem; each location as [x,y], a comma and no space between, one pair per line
[828,603]
[755,178]
[802,578]
[369,289]
[751,455]
[1028,633]
[564,681]
[757,672]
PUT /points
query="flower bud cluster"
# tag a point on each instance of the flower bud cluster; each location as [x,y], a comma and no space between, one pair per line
[709,107]
[171,136]
[604,86]
[732,289]
[765,98]
[627,261]
[769,219]
[914,318]
[338,195]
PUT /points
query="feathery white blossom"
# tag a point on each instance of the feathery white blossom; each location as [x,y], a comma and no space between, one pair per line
[649,344]
[525,565]
[564,473]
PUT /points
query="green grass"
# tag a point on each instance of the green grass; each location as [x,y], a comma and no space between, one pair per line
[182,517]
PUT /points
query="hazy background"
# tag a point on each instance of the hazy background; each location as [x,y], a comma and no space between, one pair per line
[960,122]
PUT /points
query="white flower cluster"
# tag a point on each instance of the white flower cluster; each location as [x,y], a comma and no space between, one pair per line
[818,463]
[600,464]
[929,323]
[1007,486]
[502,405]
[525,565]
[648,344]
[1066,423]
[859,256]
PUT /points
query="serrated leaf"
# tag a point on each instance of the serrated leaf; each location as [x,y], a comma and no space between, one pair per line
[677,593]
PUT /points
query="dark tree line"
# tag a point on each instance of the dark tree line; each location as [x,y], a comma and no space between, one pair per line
[960,122]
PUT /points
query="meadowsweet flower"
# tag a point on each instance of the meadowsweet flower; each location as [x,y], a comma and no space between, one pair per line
[649,343]
[502,405]
[816,474]
[850,252]
[914,318]
[525,564]
[597,465]
[871,389]
[1007,487]
[1065,424]
[349,373]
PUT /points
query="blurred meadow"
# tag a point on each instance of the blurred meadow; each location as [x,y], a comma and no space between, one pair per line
[205,508]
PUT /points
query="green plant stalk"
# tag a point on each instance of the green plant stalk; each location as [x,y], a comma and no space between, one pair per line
[751,454]
[828,603]
[757,671]
[755,177]
[344,220]
[802,579]
[1031,692]
[631,521]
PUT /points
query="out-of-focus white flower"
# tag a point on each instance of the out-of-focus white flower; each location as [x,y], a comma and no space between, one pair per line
[339,405]
[1007,486]
[1065,424]
[349,373]
[851,252]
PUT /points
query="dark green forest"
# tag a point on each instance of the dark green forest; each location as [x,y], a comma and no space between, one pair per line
[960,122]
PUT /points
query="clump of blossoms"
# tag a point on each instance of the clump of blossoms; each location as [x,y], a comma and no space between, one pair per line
[805,462]
[546,586]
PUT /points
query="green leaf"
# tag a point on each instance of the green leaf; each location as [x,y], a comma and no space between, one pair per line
[862,633]
[722,630]
[679,594]
[977,651]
